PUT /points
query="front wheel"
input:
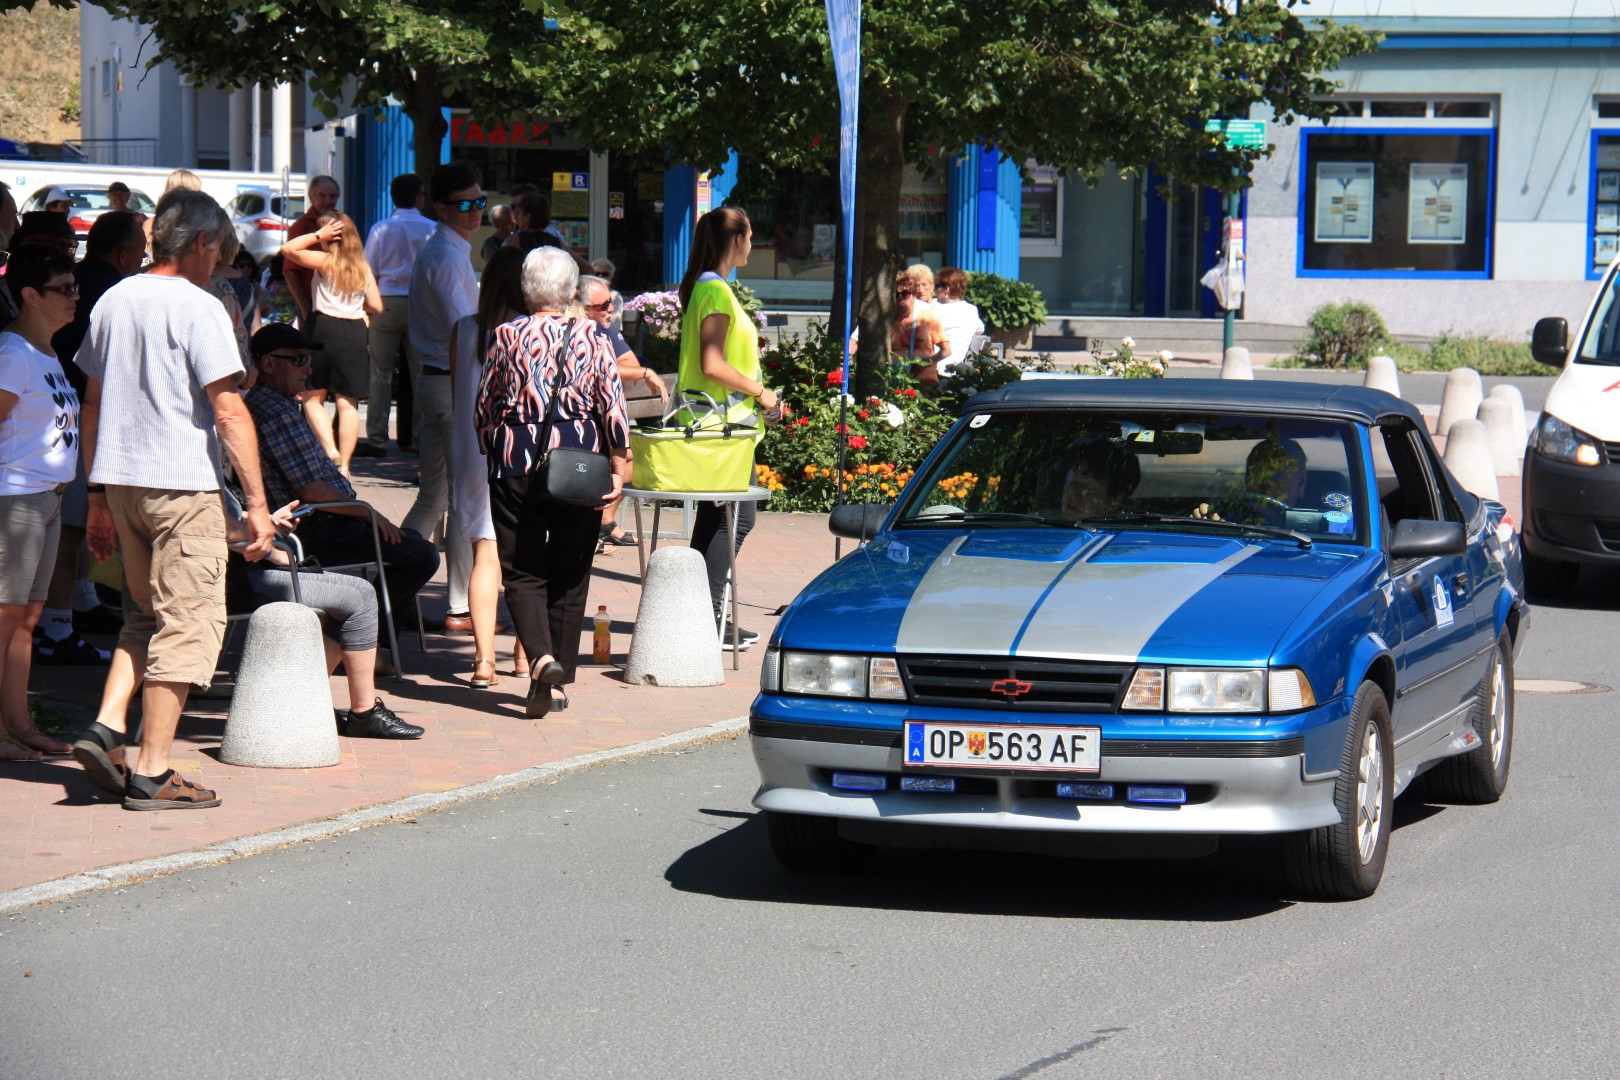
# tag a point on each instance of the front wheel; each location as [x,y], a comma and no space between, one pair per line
[1346,861]
[1481,775]
[811,844]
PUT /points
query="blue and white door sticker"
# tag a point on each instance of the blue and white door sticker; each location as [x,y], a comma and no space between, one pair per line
[1442,604]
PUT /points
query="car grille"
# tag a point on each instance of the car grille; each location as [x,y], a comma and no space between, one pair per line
[1025,685]
[1608,532]
[1611,452]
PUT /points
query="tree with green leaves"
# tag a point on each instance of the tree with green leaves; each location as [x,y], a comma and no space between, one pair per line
[1077,84]
[423,54]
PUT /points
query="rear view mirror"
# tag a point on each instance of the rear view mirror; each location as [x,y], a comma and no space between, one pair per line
[1165,443]
[857,522]
[1421,538]
[1549,342]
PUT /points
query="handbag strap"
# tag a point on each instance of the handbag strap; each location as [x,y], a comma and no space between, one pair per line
[599,415]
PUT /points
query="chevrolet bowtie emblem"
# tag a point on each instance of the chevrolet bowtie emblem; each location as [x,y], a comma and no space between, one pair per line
[1011,687]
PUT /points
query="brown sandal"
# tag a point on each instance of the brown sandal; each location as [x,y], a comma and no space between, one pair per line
[484,675]
[105,768]
[31,736]
[175,793]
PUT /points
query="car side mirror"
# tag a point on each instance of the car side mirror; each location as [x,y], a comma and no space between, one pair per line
[857,521]
[1421,538]
[1549,342]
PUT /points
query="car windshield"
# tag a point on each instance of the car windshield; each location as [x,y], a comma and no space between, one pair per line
[1601,345]
[97,200]
[1283,476]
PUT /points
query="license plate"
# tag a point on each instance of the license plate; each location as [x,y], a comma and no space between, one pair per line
[998,746]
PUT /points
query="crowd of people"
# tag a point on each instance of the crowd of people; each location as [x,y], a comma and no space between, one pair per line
[164,400]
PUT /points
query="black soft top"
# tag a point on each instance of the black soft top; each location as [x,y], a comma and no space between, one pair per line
[1355,403]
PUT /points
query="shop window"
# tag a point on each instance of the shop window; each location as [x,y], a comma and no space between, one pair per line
[1411,202]
[1395,109]
[1608,110]
[1040,212]
[1603,213]
[1464,110]
[795,222]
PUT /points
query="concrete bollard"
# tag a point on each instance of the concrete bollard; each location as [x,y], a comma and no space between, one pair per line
[675,641]
[1468,456]
[1510,394]
[1235,364]
[1381,375]
[281,715]
[1461,398]
[1507,446]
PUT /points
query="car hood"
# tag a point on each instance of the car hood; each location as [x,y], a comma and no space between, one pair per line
[1587,396]
[1143,595]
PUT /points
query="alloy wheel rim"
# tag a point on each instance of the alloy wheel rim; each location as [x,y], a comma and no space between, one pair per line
[1370,793]
[1498,732]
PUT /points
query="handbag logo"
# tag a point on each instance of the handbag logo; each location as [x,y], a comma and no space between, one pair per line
[579,467]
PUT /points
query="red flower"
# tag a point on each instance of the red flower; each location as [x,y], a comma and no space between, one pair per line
[835,378]
[864,415]
[774,365]
[843,429]
[906,393]
[803,421]
[857,442]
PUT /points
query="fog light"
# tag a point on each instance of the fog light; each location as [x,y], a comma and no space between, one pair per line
[939,785]
[1068,789]
[854,781]
[1143,793]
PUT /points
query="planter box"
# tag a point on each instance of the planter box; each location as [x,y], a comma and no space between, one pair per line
[1021,338]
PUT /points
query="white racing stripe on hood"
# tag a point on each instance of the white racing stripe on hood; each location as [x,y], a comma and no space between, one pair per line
[983,605]
[1110,611]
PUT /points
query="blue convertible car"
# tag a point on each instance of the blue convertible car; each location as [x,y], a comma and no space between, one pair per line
[1126,617]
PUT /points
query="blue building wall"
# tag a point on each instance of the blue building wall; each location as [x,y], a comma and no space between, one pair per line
[984,195]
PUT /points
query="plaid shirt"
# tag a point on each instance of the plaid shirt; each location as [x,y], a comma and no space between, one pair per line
[290,455]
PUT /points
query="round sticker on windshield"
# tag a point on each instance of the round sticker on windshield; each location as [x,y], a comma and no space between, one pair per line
[1336,500]
[1337,521]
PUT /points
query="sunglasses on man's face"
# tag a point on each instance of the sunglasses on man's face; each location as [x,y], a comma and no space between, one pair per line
[467,206]
[606,305]
[70,289]
[296,359]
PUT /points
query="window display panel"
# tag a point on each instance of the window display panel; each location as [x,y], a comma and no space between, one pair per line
[795,222]
[1038,211]
[1408,202]
[1604,241]
[923,201]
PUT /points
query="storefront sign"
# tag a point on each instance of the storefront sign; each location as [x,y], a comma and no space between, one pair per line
[705,195]
[1437,204]
[468,132]
[570,181]
[615,206]
[1344,202]
[1240,134]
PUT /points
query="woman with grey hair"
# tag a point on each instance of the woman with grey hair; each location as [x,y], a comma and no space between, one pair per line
[550,381]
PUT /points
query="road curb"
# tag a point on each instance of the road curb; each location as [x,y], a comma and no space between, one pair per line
[242,847]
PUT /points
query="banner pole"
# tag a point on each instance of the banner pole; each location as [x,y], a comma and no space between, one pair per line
[844,35]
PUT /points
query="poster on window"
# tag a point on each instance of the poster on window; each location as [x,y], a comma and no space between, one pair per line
[1437,206]
[1344,202]
[1608,217]
[1604,249]
[1608,184]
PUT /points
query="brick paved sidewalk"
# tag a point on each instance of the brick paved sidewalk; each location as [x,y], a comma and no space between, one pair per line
[57,823]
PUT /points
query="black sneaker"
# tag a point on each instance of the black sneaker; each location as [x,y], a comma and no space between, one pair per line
[745,638]
[70,650]
[366,449]
[380,723]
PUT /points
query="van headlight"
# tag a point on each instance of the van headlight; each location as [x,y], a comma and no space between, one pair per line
[1560,441]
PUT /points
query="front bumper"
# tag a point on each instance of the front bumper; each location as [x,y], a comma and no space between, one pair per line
[1571,512]
[1227,794]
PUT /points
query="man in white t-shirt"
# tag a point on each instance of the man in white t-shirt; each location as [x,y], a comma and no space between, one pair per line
[162,397]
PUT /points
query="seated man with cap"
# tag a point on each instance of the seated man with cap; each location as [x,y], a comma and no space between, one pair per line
[295,466]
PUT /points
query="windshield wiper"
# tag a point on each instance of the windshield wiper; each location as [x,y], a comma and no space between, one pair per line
[983,515]
[1131,519]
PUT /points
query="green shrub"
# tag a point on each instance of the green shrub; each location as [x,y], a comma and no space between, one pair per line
[1486,355]
[1344,335]
[1005,304]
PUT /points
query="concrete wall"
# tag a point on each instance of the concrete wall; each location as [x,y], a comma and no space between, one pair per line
[1544,112]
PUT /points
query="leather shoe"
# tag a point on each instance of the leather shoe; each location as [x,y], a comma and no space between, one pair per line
[458,624]
[381,723]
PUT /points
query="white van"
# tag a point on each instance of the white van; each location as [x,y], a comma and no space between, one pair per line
[1572,468]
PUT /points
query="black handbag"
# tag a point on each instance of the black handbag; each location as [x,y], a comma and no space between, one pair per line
[573,477]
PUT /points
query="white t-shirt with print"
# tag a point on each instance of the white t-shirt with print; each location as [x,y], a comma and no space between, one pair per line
[39,440]
[155,342]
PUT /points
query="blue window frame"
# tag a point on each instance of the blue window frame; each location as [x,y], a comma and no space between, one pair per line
[1388,229]
[1602,202]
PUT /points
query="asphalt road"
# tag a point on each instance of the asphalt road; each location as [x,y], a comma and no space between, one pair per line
[630,921]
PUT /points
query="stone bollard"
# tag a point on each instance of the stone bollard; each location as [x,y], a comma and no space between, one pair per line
[1507,445]
[1461,398]
[1510,394]
[1381,375]
[676,642]
[1235,364]
[281,715]
[1468,456]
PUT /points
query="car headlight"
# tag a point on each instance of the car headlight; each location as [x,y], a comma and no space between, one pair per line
[1555,439]
[832,675]
[1218,690]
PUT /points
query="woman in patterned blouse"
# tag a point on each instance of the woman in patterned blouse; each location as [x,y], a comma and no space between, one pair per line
[546,547]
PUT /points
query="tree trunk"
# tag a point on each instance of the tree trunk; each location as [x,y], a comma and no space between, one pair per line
[882,168]
[424,105]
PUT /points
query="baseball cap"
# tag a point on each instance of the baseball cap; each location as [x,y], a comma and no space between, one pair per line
[118,185]
[274,336]
[56,194]
[43,225]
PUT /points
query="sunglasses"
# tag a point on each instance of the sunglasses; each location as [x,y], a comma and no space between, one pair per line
[70,289]
[467,206]
[296,359]
[606,305]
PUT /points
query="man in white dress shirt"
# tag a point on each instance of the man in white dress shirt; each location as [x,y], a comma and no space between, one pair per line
[391,249]
[443,291]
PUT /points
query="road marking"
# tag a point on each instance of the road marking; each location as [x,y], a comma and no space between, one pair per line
[1558,686]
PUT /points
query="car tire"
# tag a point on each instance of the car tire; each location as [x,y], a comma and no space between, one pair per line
[1548,577]
[1346,861]
[1481,775]
[812,845]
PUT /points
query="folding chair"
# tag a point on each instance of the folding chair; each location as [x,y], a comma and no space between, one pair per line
[382,575]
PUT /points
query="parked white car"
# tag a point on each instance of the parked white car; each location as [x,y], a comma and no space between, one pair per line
[262,217]
[88,203]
